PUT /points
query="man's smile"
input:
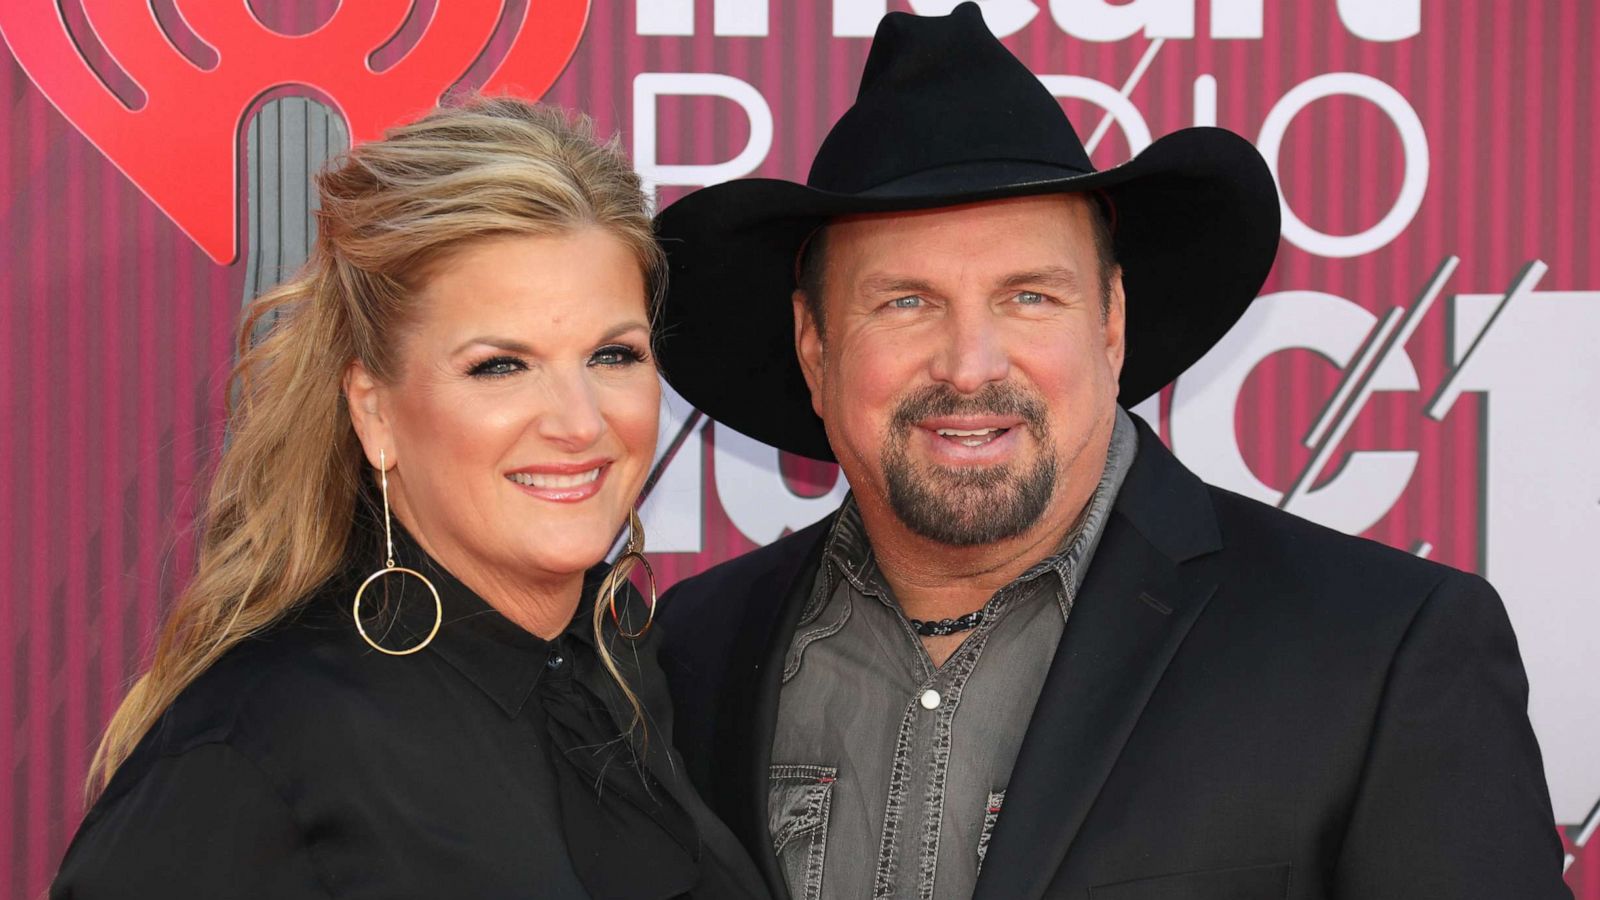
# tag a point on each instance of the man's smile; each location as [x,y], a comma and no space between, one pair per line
[976,438]
[970,440]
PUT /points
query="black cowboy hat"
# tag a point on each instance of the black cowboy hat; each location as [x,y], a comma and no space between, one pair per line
[946,116]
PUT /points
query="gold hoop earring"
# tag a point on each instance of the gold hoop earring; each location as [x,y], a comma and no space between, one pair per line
[390,568]
[634,553]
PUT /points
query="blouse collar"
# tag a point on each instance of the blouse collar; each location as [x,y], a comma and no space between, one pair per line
[502,658]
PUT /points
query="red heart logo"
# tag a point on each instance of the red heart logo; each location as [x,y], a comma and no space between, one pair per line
[181,146]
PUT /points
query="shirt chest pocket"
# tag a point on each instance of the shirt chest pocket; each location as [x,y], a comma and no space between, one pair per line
[1268,882]
[798,801]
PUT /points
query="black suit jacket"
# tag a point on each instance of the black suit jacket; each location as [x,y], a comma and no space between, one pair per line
[1244,705]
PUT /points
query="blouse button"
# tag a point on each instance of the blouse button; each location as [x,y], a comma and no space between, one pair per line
[554,662]
[930,699]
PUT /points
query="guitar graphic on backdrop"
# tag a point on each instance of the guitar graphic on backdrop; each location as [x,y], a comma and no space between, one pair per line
[179,146]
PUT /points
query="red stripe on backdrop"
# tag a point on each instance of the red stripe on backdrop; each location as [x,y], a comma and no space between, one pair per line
[619,69]
[1281,65]
[839,85]
[803,82]
[1030,46]
[771,65]
[709,128]
[1166,82]
[672,130]
[1529,166]
[116,393]
[1497,59]
[1329,202]
[74,367]
[1324,206]
[13,615]
[37,762]
[98,502]
[1560,108]
[1585,110]
[150,501]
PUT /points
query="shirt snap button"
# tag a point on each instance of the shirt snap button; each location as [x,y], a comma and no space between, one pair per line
[554,662]
[930,699]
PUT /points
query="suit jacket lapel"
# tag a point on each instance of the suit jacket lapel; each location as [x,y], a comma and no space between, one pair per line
[746,725]
[1145,588]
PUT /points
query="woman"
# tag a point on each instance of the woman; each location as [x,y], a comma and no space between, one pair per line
[399,670]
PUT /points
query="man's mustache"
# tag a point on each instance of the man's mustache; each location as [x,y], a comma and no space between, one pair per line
[994,399]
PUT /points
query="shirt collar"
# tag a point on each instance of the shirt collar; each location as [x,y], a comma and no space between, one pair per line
[497,655]
[849,553]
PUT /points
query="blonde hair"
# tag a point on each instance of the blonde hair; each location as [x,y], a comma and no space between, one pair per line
[279,514]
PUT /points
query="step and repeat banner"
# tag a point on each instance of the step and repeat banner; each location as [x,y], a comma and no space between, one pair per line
[1420,368]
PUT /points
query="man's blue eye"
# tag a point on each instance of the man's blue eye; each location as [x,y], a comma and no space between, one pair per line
[1029,298]
[911,302]
[617,355]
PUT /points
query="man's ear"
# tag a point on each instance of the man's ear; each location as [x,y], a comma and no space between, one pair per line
[1116,324]
[808,347]
[365,397]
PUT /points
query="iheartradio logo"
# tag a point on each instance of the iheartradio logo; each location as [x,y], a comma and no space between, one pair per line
[181,145]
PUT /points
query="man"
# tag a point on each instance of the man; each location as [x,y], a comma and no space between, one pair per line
[1032,655]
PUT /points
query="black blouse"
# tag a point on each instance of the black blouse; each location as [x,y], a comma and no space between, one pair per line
[491,764]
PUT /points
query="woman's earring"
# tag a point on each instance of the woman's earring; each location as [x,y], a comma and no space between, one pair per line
[631,556]
[390,568]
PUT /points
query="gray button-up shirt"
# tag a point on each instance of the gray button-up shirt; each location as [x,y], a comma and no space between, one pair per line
[889,773]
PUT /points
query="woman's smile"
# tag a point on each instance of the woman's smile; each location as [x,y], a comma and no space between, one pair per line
[562,482]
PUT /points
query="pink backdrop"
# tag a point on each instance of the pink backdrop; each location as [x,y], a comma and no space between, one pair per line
[1418,143]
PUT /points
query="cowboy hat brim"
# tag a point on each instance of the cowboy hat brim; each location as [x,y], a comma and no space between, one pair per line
[1195,232]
